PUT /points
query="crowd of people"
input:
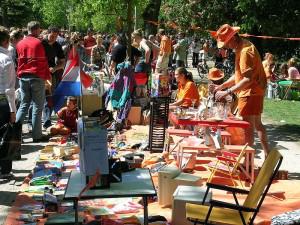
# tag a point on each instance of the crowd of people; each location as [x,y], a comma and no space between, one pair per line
[33,62]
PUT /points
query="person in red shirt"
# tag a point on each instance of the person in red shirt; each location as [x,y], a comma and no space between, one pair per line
[89,43]
[33,71]
[67,117]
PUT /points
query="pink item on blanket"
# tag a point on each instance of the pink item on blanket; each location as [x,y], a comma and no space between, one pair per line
[128,207]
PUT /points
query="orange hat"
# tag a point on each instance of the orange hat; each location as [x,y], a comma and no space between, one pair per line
[224,34]
[215,74]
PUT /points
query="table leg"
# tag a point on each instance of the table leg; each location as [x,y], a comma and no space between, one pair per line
[247,162]
[180,156]
[252,167]
[246,170]
[76,211]
[145,202]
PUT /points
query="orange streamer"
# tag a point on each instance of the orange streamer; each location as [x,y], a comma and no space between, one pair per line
[174,26]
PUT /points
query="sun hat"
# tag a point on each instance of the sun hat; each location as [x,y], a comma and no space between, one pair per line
[215,74]
[224,34]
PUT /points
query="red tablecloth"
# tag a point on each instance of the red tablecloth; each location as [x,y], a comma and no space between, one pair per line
[224,123]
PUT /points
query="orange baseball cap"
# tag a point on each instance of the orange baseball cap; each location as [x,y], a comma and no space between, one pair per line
[215,74]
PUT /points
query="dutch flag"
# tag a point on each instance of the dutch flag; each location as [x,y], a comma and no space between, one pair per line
[72,79]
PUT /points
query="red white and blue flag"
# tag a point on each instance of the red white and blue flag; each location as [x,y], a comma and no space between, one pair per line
[72,79]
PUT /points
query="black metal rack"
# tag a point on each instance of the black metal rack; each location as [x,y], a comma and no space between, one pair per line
[159,111]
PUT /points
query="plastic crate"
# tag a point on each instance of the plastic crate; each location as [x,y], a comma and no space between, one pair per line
[159,111]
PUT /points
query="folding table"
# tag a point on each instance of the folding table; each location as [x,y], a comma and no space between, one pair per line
[136,183]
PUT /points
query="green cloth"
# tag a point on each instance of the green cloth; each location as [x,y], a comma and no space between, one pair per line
[43,180]
[65,218]
[285,82]
[293,92]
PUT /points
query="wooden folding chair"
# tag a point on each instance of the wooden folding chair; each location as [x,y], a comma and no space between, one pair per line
[227,164]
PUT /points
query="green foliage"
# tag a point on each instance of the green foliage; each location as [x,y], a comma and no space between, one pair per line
[15,12]
[189,14]
[272,18]
[259,17]
[101,15]
[54,12]
[279,18]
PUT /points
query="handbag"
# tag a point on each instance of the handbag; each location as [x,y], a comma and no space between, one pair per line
[10,141]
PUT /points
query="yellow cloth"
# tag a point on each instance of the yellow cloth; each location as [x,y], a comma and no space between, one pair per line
[248,59]
[188,92]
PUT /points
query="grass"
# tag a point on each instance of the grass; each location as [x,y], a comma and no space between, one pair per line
[282,118]
[282,111]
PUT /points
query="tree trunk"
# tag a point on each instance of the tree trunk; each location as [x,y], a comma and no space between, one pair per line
[130,26]
[3,17]
[150,17]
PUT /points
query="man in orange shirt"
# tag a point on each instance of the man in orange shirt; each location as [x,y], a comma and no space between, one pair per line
[164,53]
[249,82]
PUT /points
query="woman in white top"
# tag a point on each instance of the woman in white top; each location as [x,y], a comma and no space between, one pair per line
[137,37]
[7,94]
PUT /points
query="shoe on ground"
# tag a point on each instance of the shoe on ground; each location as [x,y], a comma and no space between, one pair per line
[18,157]
[7,176]
[44,138]
[47,124]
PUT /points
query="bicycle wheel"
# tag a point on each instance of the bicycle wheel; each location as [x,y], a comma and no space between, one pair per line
[200,71]
[106,70]
[206,69]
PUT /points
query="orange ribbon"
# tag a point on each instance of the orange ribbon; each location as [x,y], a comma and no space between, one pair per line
[174,26]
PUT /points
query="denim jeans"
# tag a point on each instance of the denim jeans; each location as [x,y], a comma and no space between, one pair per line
[32,89]
[47,111]
[179,63]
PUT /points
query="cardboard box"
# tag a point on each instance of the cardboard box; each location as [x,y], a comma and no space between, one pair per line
[186,194]
[134,115]
[160,85]
[90,103]
[92,139]
[169,178]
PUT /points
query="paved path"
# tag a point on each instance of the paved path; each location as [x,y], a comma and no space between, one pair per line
[21,169]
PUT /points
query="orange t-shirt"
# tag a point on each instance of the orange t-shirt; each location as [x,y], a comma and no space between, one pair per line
[247,59]
[188,92]
[165,45]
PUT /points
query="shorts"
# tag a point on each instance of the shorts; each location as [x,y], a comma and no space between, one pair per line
[250,105]
[162,62]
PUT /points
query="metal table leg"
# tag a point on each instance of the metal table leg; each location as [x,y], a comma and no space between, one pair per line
[145,202]
[76,211]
